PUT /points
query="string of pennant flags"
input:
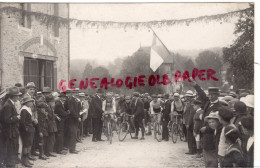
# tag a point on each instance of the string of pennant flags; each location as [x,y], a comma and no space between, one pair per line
[61,21]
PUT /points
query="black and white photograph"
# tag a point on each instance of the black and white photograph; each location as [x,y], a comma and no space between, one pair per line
[125,85]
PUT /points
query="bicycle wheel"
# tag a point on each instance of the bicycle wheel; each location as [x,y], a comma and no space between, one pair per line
[174,132]
[158,131]
[123,131]
[110,132]
[181,133]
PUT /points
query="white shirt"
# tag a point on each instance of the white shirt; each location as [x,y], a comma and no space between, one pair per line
[212,103]
[222,146]
[27,109]
[250,142]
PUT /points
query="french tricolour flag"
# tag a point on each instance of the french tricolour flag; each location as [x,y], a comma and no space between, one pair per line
[158,54]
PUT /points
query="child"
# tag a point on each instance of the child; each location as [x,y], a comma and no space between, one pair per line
[225,116]
[233,156]
[214,123]
[26,129]
[197,125]
[247,124]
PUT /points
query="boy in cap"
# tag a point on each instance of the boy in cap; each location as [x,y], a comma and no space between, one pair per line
[41,105]
[225,116]
[209,104]
[52,127]
[214,124]
[26,129]
[234,156]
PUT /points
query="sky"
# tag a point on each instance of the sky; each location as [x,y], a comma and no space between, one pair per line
[104,45]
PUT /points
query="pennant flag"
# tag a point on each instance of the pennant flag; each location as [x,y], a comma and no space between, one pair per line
[158,54]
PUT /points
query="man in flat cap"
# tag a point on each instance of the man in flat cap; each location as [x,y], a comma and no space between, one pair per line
[209,104]
[10,123]
[188,114]
[30,91]
[72,121]
[138,111]
[62,113]
[97,123]
[166,117]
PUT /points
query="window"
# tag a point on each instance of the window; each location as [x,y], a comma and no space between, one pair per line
[26,19]
[56,24]
[38,71]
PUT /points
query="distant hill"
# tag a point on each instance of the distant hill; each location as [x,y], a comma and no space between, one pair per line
[77,66]
[194,53]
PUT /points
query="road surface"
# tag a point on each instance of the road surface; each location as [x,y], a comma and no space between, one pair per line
[130,153]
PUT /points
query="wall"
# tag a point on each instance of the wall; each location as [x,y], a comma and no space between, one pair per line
[15,40]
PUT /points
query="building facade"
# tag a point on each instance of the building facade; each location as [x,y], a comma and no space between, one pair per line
[32,51]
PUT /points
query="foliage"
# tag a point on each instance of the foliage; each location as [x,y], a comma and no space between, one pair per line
[139,64]
[209,60]
[240,54]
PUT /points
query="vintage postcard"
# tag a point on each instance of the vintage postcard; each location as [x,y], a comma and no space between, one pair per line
[127,85]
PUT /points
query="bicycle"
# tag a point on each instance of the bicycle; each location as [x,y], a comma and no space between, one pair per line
[108,130]
[157,128]
[176,129]
[124,127]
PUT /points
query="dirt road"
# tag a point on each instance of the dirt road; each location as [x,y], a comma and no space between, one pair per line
[129,153]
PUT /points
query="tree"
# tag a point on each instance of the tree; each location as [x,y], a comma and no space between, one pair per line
[188,66]
[240,54]
[87,73]
[136,65]
[209,60]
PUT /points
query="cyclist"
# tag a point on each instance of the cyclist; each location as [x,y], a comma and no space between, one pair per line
[109,108]
[156,108]
[177,108]
[128,109]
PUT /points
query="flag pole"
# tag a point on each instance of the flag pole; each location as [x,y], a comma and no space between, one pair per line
[171,88]
[160,40]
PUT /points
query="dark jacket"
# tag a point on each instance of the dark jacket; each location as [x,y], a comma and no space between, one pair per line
[52,127]
[73,107]
[90,108]
[61,113]
[166,111]
[207,138]
[234,156]
[127,108]
[10,121]
[217,134]
[249,156]
[42,118]
[138,109]
[26,124]
[97,107]
[197,122]
[188,115]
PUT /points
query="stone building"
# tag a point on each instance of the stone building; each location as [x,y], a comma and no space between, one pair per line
[31,51]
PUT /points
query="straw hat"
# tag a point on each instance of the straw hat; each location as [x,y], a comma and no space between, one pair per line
[212,115]
[248,100]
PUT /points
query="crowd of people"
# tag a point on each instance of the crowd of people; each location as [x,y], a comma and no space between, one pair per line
[217,126]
